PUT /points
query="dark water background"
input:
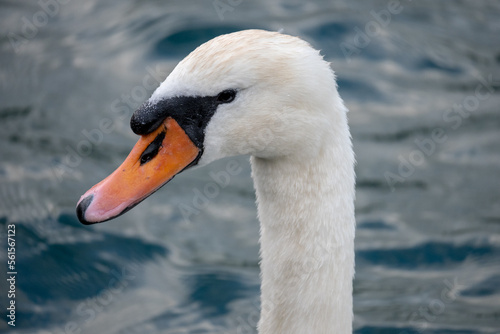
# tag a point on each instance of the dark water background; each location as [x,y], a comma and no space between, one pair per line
[422,86]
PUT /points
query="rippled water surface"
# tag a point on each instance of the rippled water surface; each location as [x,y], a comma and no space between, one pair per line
[422,85]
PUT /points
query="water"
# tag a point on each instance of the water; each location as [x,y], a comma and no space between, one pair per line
[425,121]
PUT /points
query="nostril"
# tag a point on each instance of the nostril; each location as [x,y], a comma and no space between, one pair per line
[82,207]
[152,150]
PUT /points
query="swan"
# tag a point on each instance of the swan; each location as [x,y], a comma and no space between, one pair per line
[271,96]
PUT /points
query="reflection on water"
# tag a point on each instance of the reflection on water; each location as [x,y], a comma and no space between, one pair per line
[422,88]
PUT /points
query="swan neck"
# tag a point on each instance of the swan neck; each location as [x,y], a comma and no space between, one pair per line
[306,212]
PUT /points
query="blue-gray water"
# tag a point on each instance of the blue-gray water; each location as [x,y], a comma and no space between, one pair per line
[421,80]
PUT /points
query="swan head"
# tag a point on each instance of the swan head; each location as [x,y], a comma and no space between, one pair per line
[251,92]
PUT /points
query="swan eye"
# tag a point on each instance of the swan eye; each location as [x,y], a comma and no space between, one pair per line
[226,96]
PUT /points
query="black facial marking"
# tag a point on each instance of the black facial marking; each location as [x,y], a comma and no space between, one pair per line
[192,113]
[152,150]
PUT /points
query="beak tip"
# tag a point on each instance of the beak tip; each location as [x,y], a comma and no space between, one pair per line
[82,207]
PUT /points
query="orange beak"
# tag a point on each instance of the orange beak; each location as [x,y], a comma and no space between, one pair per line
[155,159]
